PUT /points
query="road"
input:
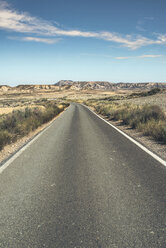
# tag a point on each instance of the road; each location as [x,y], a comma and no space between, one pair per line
[82,184]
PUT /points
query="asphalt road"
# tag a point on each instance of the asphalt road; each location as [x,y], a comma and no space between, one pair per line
[82,184]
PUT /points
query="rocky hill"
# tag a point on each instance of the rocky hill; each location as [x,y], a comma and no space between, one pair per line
[99,85]
[79,85]
[83,85]
[28,88]
[4,88]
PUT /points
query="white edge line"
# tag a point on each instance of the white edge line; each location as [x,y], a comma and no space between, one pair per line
[18,153]
[131,139]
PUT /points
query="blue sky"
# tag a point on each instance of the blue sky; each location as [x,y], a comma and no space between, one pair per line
[110,40]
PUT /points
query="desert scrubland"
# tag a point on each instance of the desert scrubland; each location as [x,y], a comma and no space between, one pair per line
[142,115]
[27,109]
[23,114]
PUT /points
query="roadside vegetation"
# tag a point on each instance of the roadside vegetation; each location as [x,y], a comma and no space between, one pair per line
[21,122]
[138,94]
[150,120]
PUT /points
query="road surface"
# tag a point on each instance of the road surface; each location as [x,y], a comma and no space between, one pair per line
[82,184]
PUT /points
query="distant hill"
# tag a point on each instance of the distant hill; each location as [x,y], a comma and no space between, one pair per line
[83,85]
[101,85]
[4,88]
[79,85]
[28,88]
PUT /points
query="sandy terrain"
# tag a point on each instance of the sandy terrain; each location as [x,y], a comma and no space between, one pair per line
[14,101]
[158,99]
[6,110]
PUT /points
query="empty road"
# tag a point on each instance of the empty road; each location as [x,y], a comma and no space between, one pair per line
[82,184]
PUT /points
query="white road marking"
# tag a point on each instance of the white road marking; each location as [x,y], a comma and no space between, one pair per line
[19,152]
[52,185]
[160,160]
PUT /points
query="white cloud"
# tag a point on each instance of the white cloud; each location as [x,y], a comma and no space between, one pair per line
[150,56]
[142,56]
[142,23]
[43,40]
[13,20]
[122,57]
[35,39]
[149,18]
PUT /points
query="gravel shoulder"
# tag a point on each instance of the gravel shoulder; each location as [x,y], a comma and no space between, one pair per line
[10,149]
[82,184]
[156,147]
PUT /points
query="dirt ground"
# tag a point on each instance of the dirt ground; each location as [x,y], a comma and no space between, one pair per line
[10,101]
[10,149]
[158,99]
[156,147]
[15,101]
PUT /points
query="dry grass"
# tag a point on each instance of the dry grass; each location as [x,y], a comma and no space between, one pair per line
[113,104]
[8,110]
[158,99]
[149,119]
[21,122]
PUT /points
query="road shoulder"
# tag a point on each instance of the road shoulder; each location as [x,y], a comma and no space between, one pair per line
[9,150]
[157,148]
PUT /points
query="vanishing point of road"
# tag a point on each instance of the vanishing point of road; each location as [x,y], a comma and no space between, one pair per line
[82,184]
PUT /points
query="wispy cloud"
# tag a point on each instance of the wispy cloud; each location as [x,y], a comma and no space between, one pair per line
[151,56]
[142,23]
[35,39]
[149,18]
[122,58]
[43,40]
[141,56]
[15,21]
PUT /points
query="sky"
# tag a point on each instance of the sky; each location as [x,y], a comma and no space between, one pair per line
[44,41]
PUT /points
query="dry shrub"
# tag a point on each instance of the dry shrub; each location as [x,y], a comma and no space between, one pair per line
[20,123]
[151,120]
[5,136]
